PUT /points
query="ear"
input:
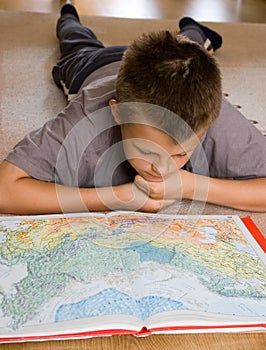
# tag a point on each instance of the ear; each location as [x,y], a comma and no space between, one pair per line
[114,110]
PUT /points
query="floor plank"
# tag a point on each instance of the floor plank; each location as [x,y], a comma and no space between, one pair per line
[204,10]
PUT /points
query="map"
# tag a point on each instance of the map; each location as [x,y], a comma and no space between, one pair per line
[63,268]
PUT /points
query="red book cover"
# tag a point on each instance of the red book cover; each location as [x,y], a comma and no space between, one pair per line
[254,230]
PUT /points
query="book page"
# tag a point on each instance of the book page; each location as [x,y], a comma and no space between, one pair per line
[84,267]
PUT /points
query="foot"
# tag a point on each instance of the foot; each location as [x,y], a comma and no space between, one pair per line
[68,7]
[215,39]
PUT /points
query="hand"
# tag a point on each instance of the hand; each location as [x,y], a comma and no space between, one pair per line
[177,185]
[130,197]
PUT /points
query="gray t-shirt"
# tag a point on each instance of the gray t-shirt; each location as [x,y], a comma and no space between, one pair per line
[82,145]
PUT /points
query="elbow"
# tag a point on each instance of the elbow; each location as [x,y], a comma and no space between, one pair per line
[258,208]
[9,198]
[7,193]
[6,198]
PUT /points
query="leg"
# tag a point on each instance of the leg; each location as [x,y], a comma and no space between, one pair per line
[72,38]
[81,52]
[73,35]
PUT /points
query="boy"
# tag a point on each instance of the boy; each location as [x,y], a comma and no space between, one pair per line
[138,154]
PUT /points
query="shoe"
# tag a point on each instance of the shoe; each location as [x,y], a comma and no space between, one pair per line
[68,8]
[215,39]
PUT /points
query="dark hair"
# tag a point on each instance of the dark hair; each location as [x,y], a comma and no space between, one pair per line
[166,69]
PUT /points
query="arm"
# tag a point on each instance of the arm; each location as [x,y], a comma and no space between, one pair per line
[21,194]
[247,195]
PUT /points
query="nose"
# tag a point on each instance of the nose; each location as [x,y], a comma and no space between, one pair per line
[161,168]
[168,165]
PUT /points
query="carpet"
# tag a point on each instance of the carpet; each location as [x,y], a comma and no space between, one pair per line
[29,49]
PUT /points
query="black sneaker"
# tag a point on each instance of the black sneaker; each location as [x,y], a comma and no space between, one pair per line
[215,39]
[69,8]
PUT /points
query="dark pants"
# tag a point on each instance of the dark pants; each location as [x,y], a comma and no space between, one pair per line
[82,53]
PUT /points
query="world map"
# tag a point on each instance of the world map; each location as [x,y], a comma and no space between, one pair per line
[62,268]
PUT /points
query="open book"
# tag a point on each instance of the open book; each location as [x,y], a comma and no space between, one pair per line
[84,275]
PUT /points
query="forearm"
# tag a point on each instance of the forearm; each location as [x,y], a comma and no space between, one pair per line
[247,195]
[239,194]
[21,194]
[30,196]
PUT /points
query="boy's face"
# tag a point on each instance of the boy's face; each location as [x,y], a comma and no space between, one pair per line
[153,153]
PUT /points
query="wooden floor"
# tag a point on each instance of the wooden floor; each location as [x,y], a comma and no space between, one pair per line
[203,10]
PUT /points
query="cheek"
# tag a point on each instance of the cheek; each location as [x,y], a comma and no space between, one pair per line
[179,163]
[134,158]
[139,164]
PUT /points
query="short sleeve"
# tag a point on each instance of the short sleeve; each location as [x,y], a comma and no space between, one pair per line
[67,148]
[234,148]
[37,152]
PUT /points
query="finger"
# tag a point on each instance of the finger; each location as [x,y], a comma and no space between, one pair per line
[168,202]
[142,184]
[154,206]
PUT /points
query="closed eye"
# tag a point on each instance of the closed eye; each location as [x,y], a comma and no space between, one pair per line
[180,155]
[145,152]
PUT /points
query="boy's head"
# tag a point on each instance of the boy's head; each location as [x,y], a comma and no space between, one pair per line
[168,70]
[168,93]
